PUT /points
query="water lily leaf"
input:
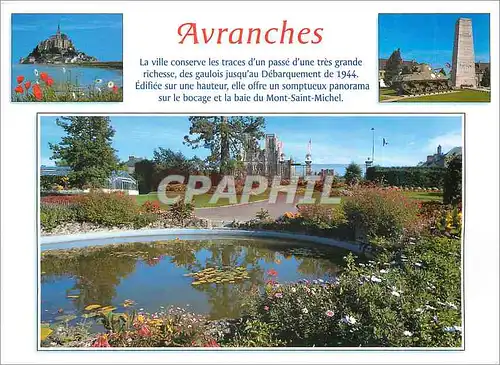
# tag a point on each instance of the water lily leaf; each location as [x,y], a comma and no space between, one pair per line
[92,307]
[89,315]
[109,308]
[45,332]
[73,296]
[195,283]
[66,318]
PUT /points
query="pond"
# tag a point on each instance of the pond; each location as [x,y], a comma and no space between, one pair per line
[207,277]
[79,76]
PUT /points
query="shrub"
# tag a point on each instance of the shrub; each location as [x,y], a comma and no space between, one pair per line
[352,174]
[60,199]
[407,176]
[181,211]
[262,214]
[380,213]
[322,216]
[151,207]
[144,220]
[108,209]
[53,216]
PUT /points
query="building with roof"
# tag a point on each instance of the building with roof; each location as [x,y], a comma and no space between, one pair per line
[439,159]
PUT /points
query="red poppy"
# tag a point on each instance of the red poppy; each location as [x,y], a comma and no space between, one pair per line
[44,76]
[115,89]
[19,89]
[27,84]
[20,79]
[37,92]
[211,343]
[49,81]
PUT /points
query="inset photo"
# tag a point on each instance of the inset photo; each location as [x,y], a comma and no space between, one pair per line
[67,58]
[434,57]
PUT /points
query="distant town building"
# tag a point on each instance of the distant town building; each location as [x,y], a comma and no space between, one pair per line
[439,159]
[132,160]
[58,41]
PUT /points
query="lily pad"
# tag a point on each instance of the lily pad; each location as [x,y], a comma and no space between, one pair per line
[89,315]
[108,308]
[73,296]
[65,318]
[92,307]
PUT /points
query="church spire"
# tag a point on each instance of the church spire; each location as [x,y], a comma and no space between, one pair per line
[58,28]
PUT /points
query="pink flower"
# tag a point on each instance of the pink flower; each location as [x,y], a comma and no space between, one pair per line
[101,341]
[266,308]
[278,295]
[329,313]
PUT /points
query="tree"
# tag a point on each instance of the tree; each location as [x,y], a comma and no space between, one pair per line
[167,159]
[352,173]
[485,80]
[393,66]
[144,171]
[86,149]
[452,192]
[225,137]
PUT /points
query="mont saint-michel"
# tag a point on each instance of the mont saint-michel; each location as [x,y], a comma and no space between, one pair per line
[58,48]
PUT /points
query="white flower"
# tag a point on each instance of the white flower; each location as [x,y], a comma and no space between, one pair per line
[451,305]
[111,84]
[321,281]
[305,311]
[418,264]
[293,290]
[383,271]
[419,310]
[348,319]
[427,306]
[395,293]
[361,264]
[375,279]
[408,333]
[98,89]
[99,81]
[451,329]
[74,95]
[35,71]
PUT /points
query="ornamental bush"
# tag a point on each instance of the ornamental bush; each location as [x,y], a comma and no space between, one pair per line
[52,216]
[380,213]
[427,177]
[108,209]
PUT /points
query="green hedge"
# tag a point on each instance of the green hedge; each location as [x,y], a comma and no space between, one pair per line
[425,177]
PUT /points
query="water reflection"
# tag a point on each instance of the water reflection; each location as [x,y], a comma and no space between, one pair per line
[153,274]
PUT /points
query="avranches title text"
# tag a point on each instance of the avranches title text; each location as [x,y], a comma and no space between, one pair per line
[190,33]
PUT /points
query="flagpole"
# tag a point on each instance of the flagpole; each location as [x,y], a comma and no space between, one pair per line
[373,144]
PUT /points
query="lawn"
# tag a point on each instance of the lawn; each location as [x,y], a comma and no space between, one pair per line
[386,94]
[462,95]
[200,201]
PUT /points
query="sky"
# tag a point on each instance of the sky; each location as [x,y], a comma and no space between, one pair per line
[428,38]
[98,35]
[334,139]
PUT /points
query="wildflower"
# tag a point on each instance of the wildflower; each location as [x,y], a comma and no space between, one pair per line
[20,79]
[115,89]
[452,329]
[49,81]
[272,272]
[383,271]
[321,281]
[361,264]
[348,320]
[329,313]
[141,318]
[418,264]
[211,343]
[395,293]
[278,295]
[408,333]
[37,92]
[101,341]
[293,290]
[375,279]
[419,310]
[435,319]
[74,96]
[111,84]
[19,89]
[277,261]
[305,311]
[451,305]
[35,71]
[27,85]
[44,76]
[144,331]
[266,308]
[98,81]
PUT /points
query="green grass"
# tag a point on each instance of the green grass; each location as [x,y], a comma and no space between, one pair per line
[200,201]
[462,95]
[424,196]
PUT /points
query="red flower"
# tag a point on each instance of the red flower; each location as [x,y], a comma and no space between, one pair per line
[272,272]
[144,331]
[211,343]
[49,81]
[19,89]
[27,84]
[20,79]
[37,92]
[115,89]
[44,76]
[102,341]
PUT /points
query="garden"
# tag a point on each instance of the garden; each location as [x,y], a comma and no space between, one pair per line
[263,282]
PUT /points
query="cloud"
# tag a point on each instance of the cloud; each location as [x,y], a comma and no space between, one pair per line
[447,142]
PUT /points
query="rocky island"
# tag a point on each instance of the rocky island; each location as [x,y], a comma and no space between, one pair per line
[58,48]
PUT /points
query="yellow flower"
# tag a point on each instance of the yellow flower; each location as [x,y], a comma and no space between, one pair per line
[141,318]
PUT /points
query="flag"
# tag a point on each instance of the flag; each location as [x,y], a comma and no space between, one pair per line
[448,65]
[384,142]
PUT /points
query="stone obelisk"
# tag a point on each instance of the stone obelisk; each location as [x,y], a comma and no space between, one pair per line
[463,69]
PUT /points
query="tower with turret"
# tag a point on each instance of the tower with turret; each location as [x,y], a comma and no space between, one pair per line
[308,160]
